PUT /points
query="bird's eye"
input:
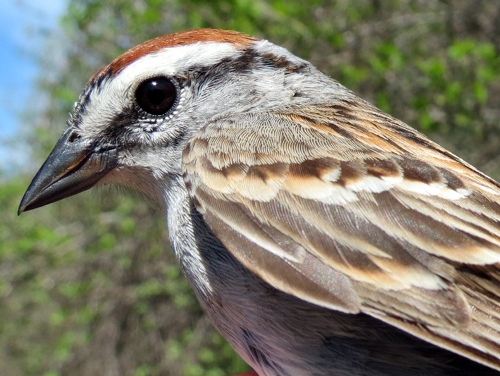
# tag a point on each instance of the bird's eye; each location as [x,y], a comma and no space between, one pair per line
[156,95]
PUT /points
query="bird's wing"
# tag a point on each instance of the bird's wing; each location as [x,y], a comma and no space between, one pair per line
[346,207]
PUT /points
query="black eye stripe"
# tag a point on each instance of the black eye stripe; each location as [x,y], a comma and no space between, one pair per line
[156,95]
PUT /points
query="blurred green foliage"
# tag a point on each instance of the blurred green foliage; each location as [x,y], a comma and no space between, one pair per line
[88,286]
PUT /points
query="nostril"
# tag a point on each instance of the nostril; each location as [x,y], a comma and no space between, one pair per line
[74,137]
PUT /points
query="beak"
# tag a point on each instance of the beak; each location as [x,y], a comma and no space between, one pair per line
[72,167]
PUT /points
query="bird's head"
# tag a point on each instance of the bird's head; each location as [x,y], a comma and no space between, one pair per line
[135,116]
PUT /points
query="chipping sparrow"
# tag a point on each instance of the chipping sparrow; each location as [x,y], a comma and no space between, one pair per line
[321,235]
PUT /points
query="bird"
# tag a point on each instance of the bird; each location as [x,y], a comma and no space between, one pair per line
[321,235]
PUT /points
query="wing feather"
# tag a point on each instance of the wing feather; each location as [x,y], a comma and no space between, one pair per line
[348,208]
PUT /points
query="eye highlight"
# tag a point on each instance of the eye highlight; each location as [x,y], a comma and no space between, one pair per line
[156,95]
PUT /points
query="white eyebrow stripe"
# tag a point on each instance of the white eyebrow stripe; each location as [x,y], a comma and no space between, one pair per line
[172,60]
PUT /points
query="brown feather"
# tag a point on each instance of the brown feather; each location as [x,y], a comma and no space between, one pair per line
[407,227]
[179,39]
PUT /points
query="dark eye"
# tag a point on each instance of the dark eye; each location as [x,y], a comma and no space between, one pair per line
[156,95]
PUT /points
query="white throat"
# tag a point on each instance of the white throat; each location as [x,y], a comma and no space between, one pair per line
[182,237]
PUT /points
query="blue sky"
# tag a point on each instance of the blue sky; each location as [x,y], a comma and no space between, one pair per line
[21,23]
